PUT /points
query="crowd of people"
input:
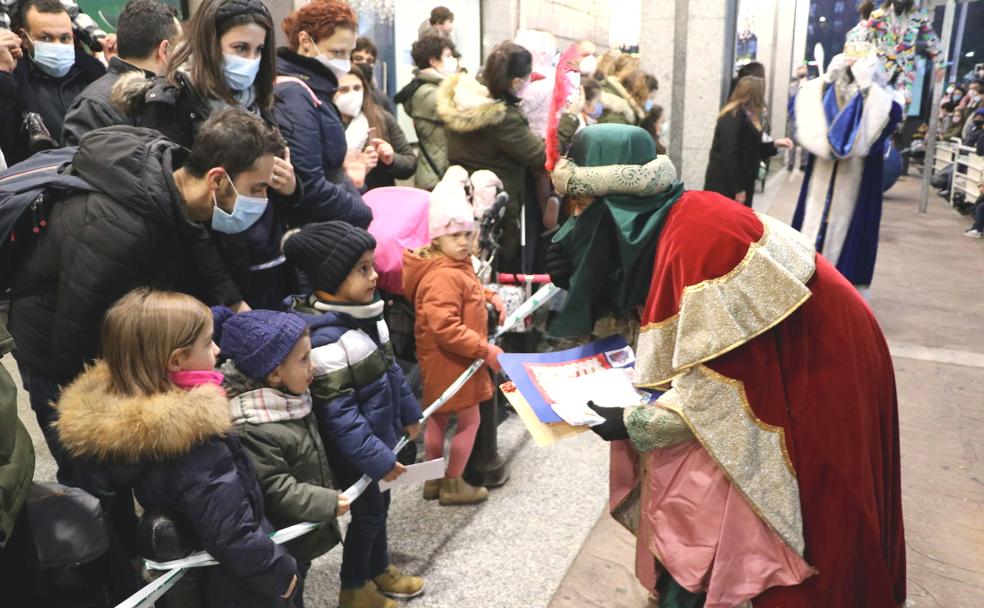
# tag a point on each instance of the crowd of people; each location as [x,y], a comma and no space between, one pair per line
[193,303]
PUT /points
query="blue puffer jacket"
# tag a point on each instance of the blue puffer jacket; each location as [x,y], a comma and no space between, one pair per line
[316,138]
[361,399]
[177,452]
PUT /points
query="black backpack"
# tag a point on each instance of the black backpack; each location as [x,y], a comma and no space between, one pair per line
[27,192]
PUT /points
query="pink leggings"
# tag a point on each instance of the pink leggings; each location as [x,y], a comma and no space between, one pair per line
[462,442]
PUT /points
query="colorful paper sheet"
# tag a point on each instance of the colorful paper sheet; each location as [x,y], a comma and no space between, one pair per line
[541,378]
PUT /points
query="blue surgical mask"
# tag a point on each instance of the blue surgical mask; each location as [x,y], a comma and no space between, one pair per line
[239,72]
[53,58]
[956,96]
[648,106]
[246,211]
[596,110]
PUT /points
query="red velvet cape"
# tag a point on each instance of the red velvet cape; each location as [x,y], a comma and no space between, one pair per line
[818,375]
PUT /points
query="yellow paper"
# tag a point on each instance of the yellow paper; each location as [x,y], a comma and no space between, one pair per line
[543,434]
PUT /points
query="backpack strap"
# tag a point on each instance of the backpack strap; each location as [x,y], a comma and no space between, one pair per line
[298,81]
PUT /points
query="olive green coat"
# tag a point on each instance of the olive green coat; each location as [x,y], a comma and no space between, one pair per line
[431,138]
[16,450]
[487,133]
[293,472]
[619,106]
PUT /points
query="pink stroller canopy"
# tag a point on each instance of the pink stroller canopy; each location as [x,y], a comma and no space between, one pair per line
[399,221]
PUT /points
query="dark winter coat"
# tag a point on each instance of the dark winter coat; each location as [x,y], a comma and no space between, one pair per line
[404,160]
[176,451]
[253,257]
[93,108]
[292,469]
[451,325]
[486,133]
[132,232]
[361,399]
[16,449]
[28,89]
[419,99]
[736,153]
[314,132]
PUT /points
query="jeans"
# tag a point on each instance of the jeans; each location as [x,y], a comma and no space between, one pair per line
[365,554]
[979,215]
[43,393]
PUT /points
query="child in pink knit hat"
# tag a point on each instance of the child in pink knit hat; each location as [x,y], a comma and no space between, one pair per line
[451,332]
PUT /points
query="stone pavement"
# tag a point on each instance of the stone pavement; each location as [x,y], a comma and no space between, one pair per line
[927,294]
[519,548]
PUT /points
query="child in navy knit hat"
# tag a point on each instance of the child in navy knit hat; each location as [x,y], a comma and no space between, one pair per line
[361,399]
[267,375]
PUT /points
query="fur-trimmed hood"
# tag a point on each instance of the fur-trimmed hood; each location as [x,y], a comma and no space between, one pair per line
[620,101]
[95,423]
[465,105]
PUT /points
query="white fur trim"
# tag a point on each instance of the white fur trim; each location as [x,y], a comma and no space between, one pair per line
[812,126]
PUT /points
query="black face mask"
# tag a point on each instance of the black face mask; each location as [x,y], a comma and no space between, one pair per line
[979,124]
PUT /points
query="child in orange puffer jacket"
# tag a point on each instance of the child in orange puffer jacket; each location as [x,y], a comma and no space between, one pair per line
[451,332]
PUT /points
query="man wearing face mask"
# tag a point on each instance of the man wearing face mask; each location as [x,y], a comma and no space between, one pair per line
[146,32]
[434,59]
[44,82]
[974,102]
[140,228]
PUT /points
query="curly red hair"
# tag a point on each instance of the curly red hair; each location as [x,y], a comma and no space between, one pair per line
[320,19]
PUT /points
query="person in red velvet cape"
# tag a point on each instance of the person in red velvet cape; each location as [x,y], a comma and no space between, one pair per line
[767,473]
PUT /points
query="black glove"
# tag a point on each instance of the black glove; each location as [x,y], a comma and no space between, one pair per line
[613,428]
[560,267]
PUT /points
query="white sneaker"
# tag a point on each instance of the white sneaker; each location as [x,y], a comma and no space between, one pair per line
[974,234]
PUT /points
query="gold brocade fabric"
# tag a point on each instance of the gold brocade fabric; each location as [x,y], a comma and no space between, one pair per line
[718,315]
[752,453]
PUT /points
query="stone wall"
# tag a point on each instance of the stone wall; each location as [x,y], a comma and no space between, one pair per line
[568,20]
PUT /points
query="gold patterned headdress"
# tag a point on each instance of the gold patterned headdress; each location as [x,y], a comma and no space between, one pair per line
[656,176]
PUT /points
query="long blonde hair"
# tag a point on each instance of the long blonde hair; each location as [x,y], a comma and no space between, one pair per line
[749,95]
[141,332]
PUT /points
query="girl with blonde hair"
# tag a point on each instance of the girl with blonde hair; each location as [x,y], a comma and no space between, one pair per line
[152,415]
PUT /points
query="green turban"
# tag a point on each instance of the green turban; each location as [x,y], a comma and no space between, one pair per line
[613,243]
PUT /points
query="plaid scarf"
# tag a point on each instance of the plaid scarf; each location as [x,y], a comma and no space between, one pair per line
[251,402]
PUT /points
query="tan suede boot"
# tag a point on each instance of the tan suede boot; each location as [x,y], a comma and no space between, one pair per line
[367,596]
[457,491]
[394,583]
[432,488]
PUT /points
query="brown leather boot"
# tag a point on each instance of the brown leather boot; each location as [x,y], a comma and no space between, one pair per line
[366,596]
[432,489]
[457,491]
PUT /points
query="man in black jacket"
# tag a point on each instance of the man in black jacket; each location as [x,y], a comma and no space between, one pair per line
[46,80]
[138,229]
[146,32]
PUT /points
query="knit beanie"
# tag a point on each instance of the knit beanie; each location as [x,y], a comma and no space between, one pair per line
[257,341]
[327,251]
[450,211]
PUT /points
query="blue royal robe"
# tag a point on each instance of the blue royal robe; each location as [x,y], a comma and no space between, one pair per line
[840,202]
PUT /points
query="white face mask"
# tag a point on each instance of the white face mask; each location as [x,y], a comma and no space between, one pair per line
[523,88]
[588,65]
[338,67]
[449,66]
[350,103]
